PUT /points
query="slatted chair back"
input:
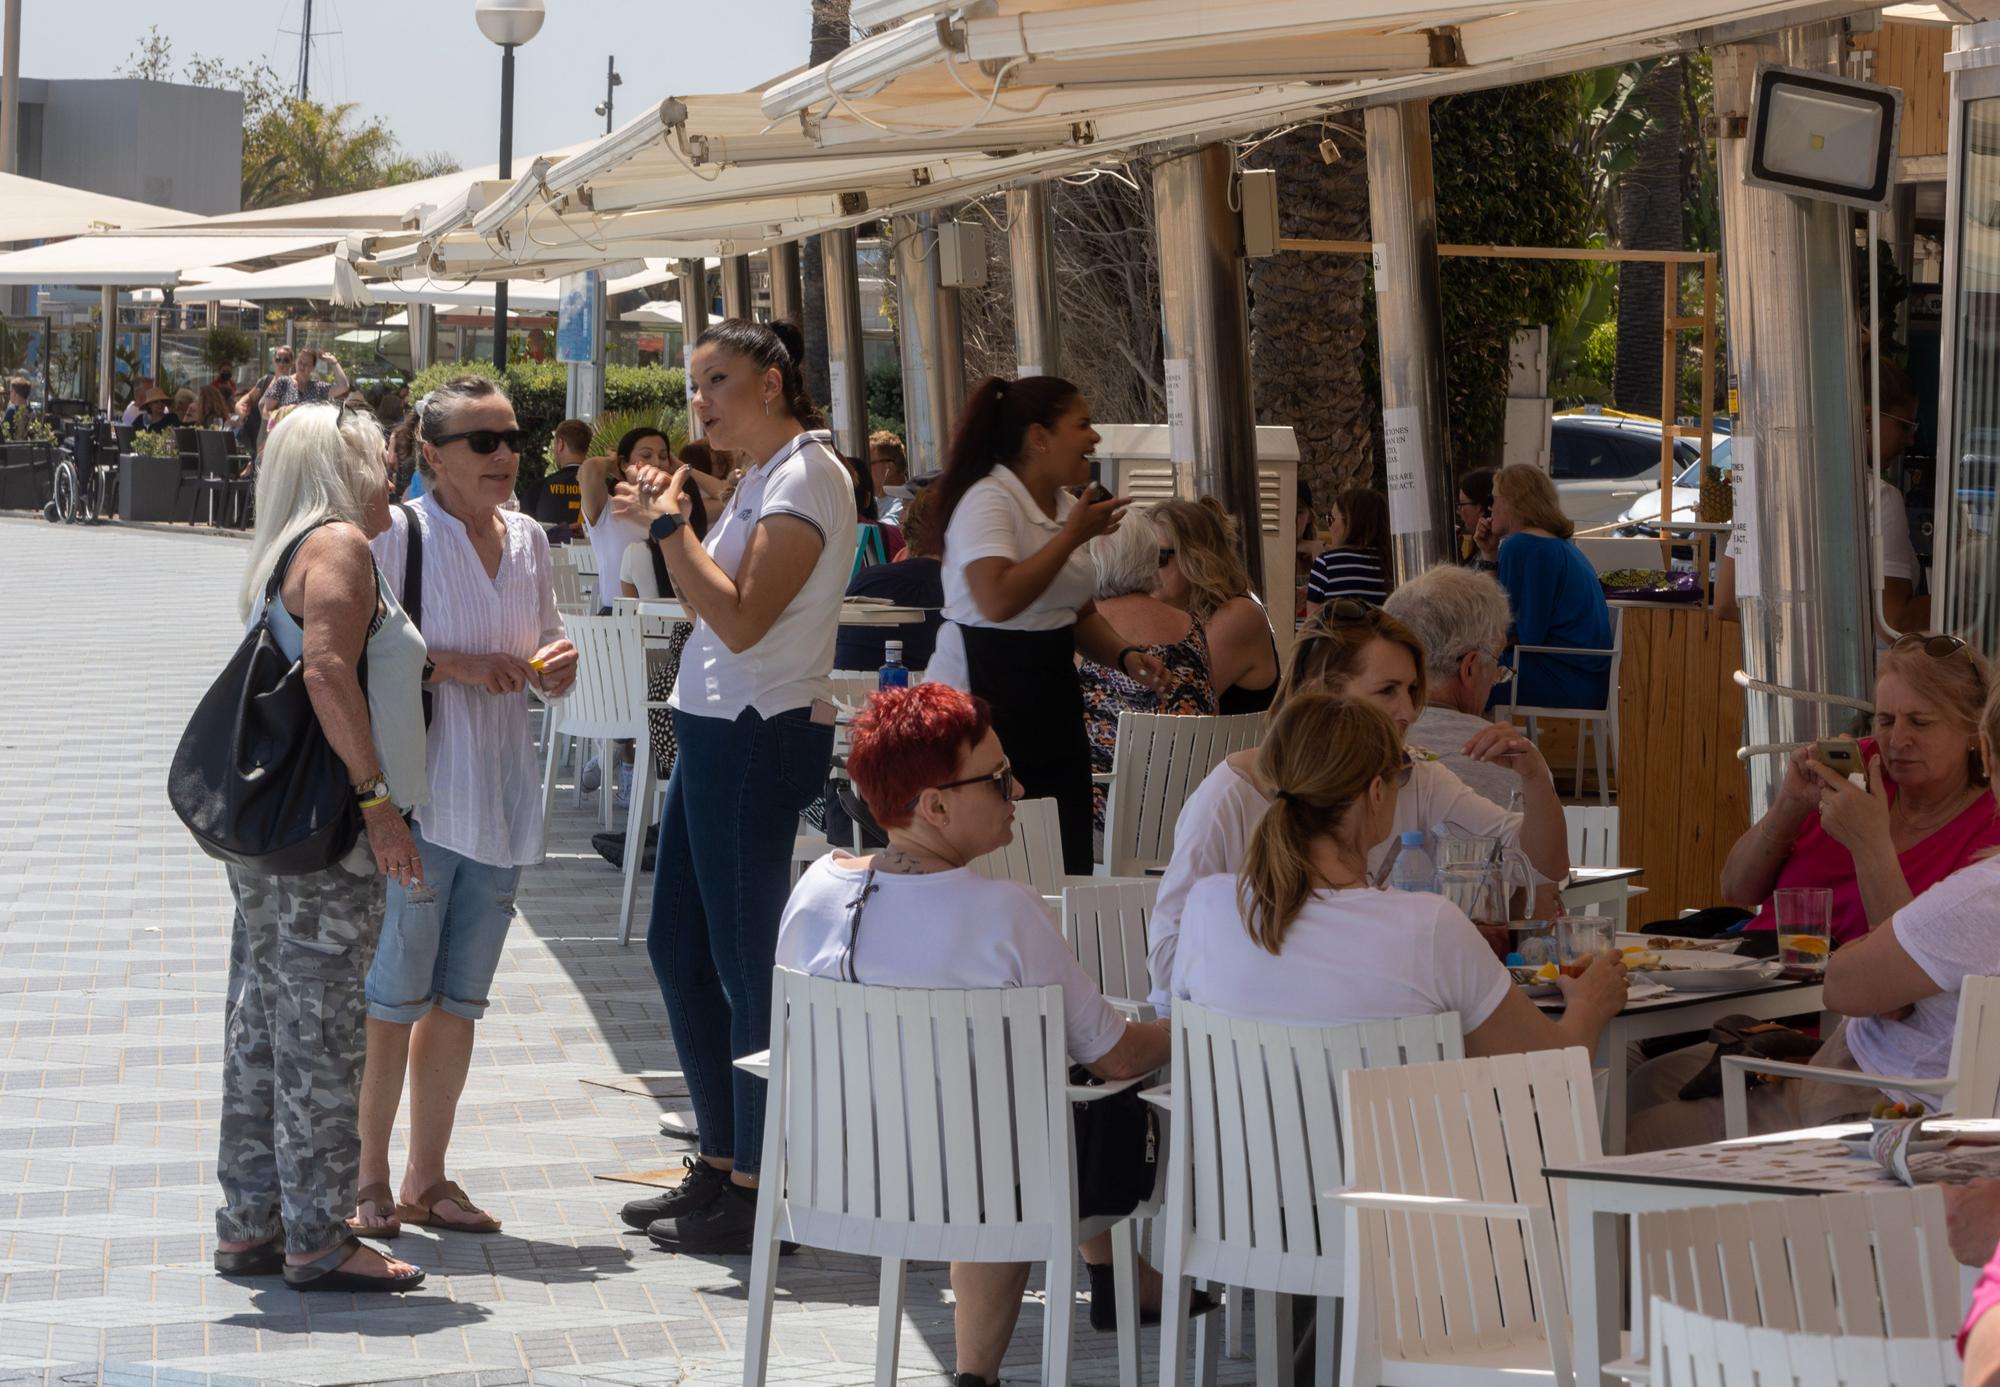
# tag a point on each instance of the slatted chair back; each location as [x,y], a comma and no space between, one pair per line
[1975,1050]
[1691,1349]
[851,687]
[1160,759]
[571,598]
[1593,834]
[1485,1282]
[609,697]
[1876,1263]
[911,1124]
[1034,857]
[1105,923]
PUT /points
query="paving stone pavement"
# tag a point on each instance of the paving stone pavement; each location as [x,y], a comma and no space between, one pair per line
[113,952]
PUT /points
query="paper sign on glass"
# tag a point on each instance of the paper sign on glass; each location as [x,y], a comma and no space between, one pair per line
[1403,445]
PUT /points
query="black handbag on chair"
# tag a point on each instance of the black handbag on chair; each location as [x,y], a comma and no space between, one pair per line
[254,778]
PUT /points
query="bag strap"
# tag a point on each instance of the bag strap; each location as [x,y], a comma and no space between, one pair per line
[284,563]
[413,566]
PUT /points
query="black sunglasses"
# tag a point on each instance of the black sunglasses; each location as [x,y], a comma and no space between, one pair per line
[1937,647]
[1167,556]
[482,441]
[1001,779]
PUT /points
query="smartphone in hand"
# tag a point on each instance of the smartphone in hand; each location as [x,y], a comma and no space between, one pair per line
[1839,754]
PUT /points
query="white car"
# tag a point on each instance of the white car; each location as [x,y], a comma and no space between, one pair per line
[1603,464]
[1645,512]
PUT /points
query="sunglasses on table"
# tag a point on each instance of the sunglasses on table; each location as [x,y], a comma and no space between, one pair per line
[1937,647]
[1001,779]
[482,441]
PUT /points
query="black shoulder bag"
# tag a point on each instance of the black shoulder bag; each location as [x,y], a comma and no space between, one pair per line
[254,778]
[413,585]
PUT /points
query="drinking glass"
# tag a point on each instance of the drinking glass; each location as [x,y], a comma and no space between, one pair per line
[1580,938]
[1805,930]
[1477,890]
[1454,851]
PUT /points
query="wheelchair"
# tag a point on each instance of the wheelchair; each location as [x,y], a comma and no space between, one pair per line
[83,489]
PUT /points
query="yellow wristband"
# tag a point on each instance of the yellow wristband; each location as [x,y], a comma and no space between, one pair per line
[371,803]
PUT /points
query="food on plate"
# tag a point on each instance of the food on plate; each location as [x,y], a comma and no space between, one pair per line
[1696,945]
[1886,1111]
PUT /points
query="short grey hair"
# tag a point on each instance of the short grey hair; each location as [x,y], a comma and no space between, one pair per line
[1451,610]
[1128,559]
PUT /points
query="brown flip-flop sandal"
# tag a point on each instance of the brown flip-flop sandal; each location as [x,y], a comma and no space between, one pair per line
[421,1214]
[382,1197]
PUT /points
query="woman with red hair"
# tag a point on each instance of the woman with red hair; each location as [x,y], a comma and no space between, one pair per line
[931,769]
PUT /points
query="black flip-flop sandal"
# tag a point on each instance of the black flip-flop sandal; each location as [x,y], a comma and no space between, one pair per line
[265,1259]
[323,1273]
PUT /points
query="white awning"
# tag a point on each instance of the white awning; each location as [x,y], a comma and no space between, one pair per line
[324,277]
[32,210]
[140,259]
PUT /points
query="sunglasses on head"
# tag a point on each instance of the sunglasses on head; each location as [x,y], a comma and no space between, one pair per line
[1937,647]
[482,441]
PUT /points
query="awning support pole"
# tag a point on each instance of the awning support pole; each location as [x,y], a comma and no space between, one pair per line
[735,286]
[1031,257]
[930,339]
[1211,420]
[847,407]
[107,347]
[785,294]
[692,276]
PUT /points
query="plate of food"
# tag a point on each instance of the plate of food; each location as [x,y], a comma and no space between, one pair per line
[1660,943]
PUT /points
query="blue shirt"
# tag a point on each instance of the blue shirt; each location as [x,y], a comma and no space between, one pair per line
[1556,600]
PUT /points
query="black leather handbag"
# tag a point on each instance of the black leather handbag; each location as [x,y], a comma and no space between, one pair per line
[254,778]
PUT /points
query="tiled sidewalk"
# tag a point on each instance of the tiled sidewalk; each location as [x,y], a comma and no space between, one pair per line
[113,946]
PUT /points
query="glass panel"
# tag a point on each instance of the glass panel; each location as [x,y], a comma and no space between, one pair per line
[1970,457]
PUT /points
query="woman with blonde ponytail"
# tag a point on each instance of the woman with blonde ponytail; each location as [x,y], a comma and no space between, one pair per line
[1299,937]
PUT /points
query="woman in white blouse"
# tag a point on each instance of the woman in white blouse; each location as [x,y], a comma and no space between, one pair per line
[1300,935]
[1358,651]
[1018,585]
[485,602]
[753,720]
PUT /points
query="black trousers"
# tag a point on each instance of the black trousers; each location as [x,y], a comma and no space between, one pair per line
[1029,680]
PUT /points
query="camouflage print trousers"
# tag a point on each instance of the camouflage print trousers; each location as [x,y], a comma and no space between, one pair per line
[294,1039]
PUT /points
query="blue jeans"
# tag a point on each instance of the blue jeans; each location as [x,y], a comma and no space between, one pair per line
[732,815]
[441,946]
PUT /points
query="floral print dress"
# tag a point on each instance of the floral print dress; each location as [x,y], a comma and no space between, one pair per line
[1107,693]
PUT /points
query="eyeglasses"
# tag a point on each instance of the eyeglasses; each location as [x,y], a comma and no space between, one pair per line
[1937,647]
[282,360]
[482,441]
[1502,674]
[1001,779]
[1167,556]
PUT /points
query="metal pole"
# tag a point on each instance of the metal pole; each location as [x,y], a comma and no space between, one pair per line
[10,90]
[930,340]
[1805,585]
[1211,423]
[506,171]
[611,80]
[1031,256]
[847,394]
[1402,208]
[736,286]
[692,276]
[423,335]
[107,346]
[786,296]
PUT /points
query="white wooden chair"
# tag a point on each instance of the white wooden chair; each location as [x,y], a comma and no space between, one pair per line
[1593,842]
[1970,1088]
[1876,1265]
[1600,724]
[1454,1271]
[1255,1162]
[584,559]
[1696,1350]
[1160,759]
[1105,923]
[571,597]
[1034,858]
[916,1125]
[851,687]
[608,703]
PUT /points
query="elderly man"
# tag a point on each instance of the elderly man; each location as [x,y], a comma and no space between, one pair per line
[1461,618]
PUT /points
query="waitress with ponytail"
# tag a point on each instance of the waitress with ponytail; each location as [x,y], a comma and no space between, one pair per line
[1018,586]
[754,723]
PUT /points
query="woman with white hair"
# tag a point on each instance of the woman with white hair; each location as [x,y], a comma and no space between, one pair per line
[294,1039]
[1127,565]
[1460,617]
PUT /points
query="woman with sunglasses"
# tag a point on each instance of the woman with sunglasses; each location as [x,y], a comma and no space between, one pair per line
[1202,574]
[1017,585]
[1300,935]
[933,772]
[1923,814]
[1359,652]
[487,610]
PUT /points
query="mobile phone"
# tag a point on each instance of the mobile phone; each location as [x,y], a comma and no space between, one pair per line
[1838,754]
[1094,493]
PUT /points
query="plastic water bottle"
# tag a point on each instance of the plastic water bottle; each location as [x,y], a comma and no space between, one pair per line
[894,673]
[1414,870]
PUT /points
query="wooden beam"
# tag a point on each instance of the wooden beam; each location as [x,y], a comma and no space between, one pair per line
[1595,253]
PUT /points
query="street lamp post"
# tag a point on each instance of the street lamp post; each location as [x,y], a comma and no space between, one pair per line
[611,80]
[509,23]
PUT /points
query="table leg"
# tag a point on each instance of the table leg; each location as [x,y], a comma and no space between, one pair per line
[1614,1048]
[1593,1254]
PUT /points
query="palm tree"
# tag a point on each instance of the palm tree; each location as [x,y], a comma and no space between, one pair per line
[831,32]
[304,150]
[1650,205]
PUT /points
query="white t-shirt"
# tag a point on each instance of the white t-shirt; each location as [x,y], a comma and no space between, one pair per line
[997,518]
[1952,931]
[788,668]
[609,538]
[636,568]
[945,929]
[1355,955]
[1213,832]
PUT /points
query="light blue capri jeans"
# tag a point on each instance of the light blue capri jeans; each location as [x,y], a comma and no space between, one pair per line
[441,946]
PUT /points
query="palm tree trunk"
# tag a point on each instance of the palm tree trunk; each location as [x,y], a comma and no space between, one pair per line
[1649,218]
[831,30]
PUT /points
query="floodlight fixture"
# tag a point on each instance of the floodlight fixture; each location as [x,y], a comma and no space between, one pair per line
[1824,137]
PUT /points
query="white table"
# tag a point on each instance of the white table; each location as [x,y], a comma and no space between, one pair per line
[660,617]
[1595,1197]
[1589,887]
[1767,999]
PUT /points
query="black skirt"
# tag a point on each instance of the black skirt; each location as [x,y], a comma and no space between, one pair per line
[1029,680]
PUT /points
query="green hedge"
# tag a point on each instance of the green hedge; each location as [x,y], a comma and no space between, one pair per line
[539,391]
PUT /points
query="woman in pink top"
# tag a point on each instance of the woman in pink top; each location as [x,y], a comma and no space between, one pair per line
[1926,811]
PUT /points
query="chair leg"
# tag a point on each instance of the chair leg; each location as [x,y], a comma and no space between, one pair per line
[1059,1317]
[762,1288]
[549,769]
[1171,1229]
[1603,780]
[1232,1322]
[1125,1285]
[1208,1340]
[1274,1339]
[889,1323]
[1326,1341]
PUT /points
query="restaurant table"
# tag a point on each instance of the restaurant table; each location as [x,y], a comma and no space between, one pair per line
[1596,1196]
[1767,999]
[661,616]
[1586,889]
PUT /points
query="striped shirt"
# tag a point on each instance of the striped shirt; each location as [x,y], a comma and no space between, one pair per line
[486,789]
[1347,573]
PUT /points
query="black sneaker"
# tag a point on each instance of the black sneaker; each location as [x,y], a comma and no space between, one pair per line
[697,1190]
[722,1227]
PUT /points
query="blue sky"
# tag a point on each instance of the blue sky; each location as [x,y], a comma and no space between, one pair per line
[423,66]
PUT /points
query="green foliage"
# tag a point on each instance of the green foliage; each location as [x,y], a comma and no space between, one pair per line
[1609,128]
[155,443]
[613,425]
[41,429]
[227,346]
[885,399]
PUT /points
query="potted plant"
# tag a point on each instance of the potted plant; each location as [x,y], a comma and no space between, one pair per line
[149,477]
[226,346]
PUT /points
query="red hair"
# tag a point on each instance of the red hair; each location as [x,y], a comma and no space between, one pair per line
[907,741]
